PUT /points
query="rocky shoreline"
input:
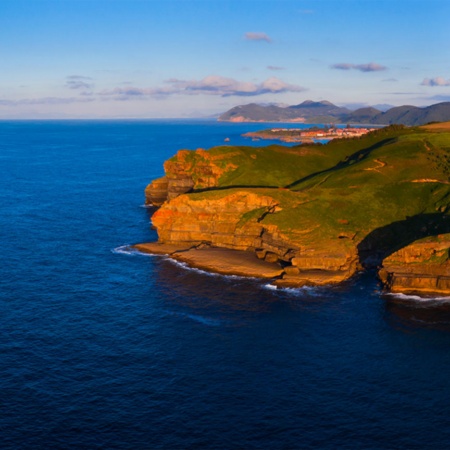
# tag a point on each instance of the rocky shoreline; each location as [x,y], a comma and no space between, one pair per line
[241,263]
[311,217]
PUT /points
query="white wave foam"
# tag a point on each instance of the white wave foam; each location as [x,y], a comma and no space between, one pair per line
[128,250]
[417,298]
[271,287]
[310,291]
[187,267]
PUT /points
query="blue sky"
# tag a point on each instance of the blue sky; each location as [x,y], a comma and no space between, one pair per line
[195,58]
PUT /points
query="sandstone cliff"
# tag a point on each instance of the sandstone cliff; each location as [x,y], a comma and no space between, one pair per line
[321,213]
[187,171]
[422,266]
[239,220]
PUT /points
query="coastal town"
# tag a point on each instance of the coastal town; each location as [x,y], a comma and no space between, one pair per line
[312,134]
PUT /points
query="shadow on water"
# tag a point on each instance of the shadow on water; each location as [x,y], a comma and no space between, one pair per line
[412,312]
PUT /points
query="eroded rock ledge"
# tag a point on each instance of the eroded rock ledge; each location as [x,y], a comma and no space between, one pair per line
[422,266]
[234,220]
[312,215]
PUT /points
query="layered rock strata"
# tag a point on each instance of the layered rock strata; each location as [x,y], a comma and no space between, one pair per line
[422,266]
[187,171]
[236,221]
[316,213]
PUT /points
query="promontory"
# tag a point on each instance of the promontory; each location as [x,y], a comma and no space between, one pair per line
[313,214]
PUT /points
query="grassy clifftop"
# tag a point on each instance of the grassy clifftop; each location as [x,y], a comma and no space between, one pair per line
[361,198]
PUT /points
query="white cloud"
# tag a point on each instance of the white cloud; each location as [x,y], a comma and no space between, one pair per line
[214,85]
[210,85]
[251,36]
[437,81]
[225,87]
[46,101]
[369,67]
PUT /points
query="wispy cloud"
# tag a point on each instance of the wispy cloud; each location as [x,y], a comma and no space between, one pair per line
[253,36]
[225,87]
[46,101]
[79,82]
[210,85]
[401,93]
[369,67]
[129,91]
[215,85]
[440,98]
[437,81]
[275,68]
[390,80]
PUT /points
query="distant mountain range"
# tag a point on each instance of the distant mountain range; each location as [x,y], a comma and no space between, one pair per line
[326,112]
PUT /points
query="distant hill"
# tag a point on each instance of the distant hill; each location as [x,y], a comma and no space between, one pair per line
[324,111]
[308,111]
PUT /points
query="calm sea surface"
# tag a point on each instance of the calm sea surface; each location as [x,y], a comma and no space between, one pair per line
[103,348]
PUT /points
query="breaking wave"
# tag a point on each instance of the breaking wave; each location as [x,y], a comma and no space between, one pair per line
[187,267]
[128,250]
[303,291]
[417,299]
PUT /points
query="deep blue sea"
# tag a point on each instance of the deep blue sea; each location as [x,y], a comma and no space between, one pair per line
[102,348]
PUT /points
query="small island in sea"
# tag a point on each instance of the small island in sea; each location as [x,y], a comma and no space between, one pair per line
[313,214]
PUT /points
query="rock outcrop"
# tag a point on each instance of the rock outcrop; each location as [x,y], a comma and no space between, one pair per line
[319,214]
[422,266]
[187,171]
[235,220]
[230,221]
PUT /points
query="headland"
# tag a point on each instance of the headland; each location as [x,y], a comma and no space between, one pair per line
[313,214]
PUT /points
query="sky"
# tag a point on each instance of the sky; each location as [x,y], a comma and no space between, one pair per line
[88,59]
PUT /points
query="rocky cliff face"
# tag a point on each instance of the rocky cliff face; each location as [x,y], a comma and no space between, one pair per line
[422,266]
[318,213]
[230,221]
[236,220]
[187,171]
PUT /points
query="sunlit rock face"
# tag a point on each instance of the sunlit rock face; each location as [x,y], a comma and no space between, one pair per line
[421,266]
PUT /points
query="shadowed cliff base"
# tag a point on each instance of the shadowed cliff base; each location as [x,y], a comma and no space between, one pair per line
[382,242]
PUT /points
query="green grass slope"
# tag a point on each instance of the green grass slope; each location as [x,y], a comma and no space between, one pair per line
[395,180]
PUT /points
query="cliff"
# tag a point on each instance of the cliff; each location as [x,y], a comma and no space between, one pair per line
[422,266]
[320,213]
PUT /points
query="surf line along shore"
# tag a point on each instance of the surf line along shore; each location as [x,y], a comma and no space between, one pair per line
[234,262]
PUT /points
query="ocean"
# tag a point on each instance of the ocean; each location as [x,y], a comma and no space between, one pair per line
[105,348]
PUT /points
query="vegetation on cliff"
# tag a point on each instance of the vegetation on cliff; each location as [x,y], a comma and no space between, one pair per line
[331,208]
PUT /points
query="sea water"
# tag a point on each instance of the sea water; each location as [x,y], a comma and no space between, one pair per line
[103,347]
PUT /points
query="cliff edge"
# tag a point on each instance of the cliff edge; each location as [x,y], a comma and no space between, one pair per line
[317,213]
